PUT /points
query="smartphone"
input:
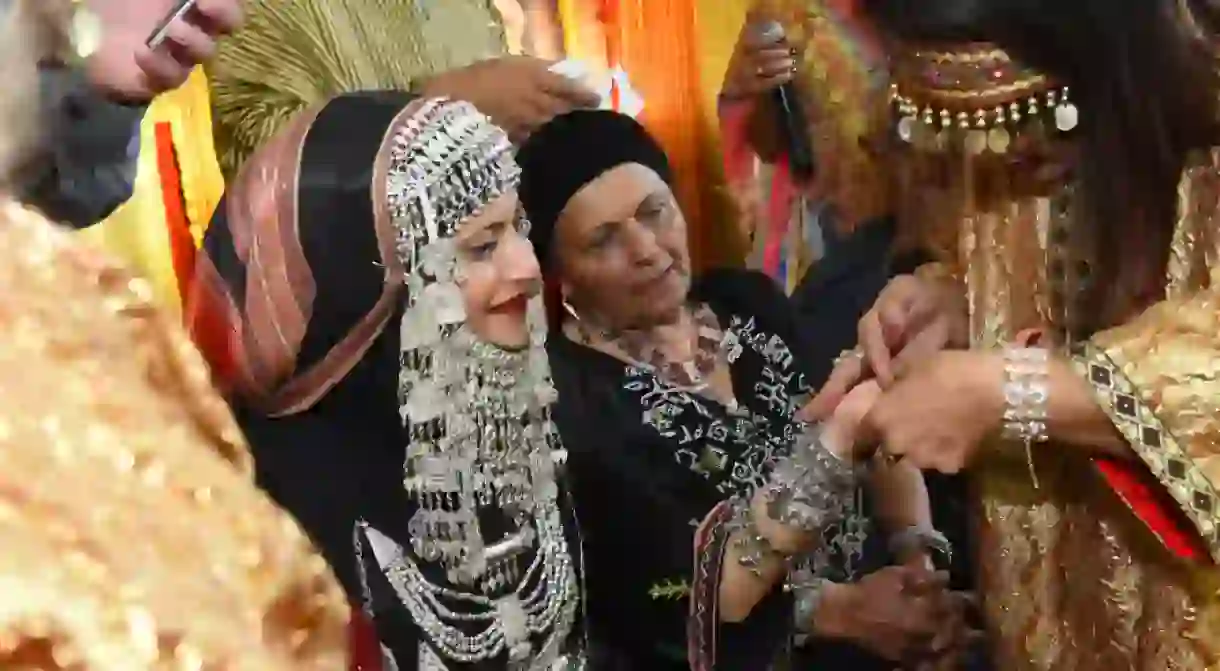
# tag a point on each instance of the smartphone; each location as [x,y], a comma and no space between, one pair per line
[158,36]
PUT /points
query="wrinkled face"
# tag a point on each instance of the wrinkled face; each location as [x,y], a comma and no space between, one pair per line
[621,252]
[499,274]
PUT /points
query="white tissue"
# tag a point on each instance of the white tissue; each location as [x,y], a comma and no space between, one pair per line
[630,102]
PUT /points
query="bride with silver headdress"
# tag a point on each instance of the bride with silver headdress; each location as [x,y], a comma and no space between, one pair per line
[370,300]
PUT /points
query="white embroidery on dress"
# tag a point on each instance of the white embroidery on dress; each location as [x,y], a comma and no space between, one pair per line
[706,438]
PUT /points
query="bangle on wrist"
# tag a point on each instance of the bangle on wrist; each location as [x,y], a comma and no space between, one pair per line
[808,490]
[811,487]
[806,598]
[1026,399]
[754,548]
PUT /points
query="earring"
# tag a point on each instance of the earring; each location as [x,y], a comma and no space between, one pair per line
[570,309]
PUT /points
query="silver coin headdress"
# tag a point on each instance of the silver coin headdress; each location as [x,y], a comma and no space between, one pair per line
[477,415]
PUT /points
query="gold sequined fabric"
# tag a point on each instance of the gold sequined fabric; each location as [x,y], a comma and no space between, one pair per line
[132,534]
[1071,578]
[294,54]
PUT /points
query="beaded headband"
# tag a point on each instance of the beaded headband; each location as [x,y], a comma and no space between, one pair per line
[447,163]
[974,96]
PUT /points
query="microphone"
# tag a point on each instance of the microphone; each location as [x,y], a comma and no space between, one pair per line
[790,114]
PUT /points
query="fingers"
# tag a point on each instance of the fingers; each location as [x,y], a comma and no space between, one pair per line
[922,583]
[162,67]
[870,335]
[769,68]
[542,107]
[189,42]
[902,310]
[894,318]
[845,375]
[774,62]
[217,17]
[571,92]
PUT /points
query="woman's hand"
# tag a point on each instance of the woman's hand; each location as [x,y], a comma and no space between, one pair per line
[842,432]
[955,638]
[519,93]
[759,62]
[937,414]
[912,319]
[895,613]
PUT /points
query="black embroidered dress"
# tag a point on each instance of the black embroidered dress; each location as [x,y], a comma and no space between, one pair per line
[648,462]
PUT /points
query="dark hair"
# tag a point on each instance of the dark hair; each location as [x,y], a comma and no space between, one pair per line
[1145,87]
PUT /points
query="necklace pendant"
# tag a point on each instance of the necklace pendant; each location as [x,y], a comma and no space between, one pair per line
[514,624]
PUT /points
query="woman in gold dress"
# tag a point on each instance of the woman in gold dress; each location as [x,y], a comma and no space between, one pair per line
[1059,160]
[133,536]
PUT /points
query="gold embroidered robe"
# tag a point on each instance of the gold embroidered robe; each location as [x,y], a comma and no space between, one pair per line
[1077,574]
[1075,577]
[132,536]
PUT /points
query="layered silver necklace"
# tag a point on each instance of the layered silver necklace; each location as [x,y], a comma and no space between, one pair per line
[481,441]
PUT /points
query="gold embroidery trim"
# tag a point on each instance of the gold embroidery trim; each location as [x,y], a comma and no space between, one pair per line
[1160,451]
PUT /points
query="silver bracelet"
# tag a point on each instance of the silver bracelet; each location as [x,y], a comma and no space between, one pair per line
[753,548]
[913,539]
[806,597]
[1026,399]
[811,488]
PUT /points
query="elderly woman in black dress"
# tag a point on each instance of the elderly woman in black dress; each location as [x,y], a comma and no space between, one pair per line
[679,403]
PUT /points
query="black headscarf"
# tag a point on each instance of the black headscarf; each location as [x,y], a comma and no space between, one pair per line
[569,152]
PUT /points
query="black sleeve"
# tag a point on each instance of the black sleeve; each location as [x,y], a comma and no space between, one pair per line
[86,165]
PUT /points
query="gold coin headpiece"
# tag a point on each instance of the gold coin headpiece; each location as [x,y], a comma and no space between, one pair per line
[974,96]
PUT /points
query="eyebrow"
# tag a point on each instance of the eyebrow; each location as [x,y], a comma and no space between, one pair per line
[657,197]
[492,228]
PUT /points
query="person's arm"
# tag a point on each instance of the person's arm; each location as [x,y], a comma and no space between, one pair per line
[904,514]
[809,489]
[86,164]
[1143,397]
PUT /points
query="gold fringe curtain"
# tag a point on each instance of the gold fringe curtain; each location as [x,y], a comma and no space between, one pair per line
[675,53]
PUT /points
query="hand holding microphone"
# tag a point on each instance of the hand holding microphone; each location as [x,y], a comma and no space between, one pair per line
[762,60]
[764,63]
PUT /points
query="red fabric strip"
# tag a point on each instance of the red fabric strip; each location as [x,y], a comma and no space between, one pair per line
[363,643]
[178,227]
[1152,505]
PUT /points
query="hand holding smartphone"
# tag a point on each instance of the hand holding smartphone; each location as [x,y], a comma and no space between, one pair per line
[157,38]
